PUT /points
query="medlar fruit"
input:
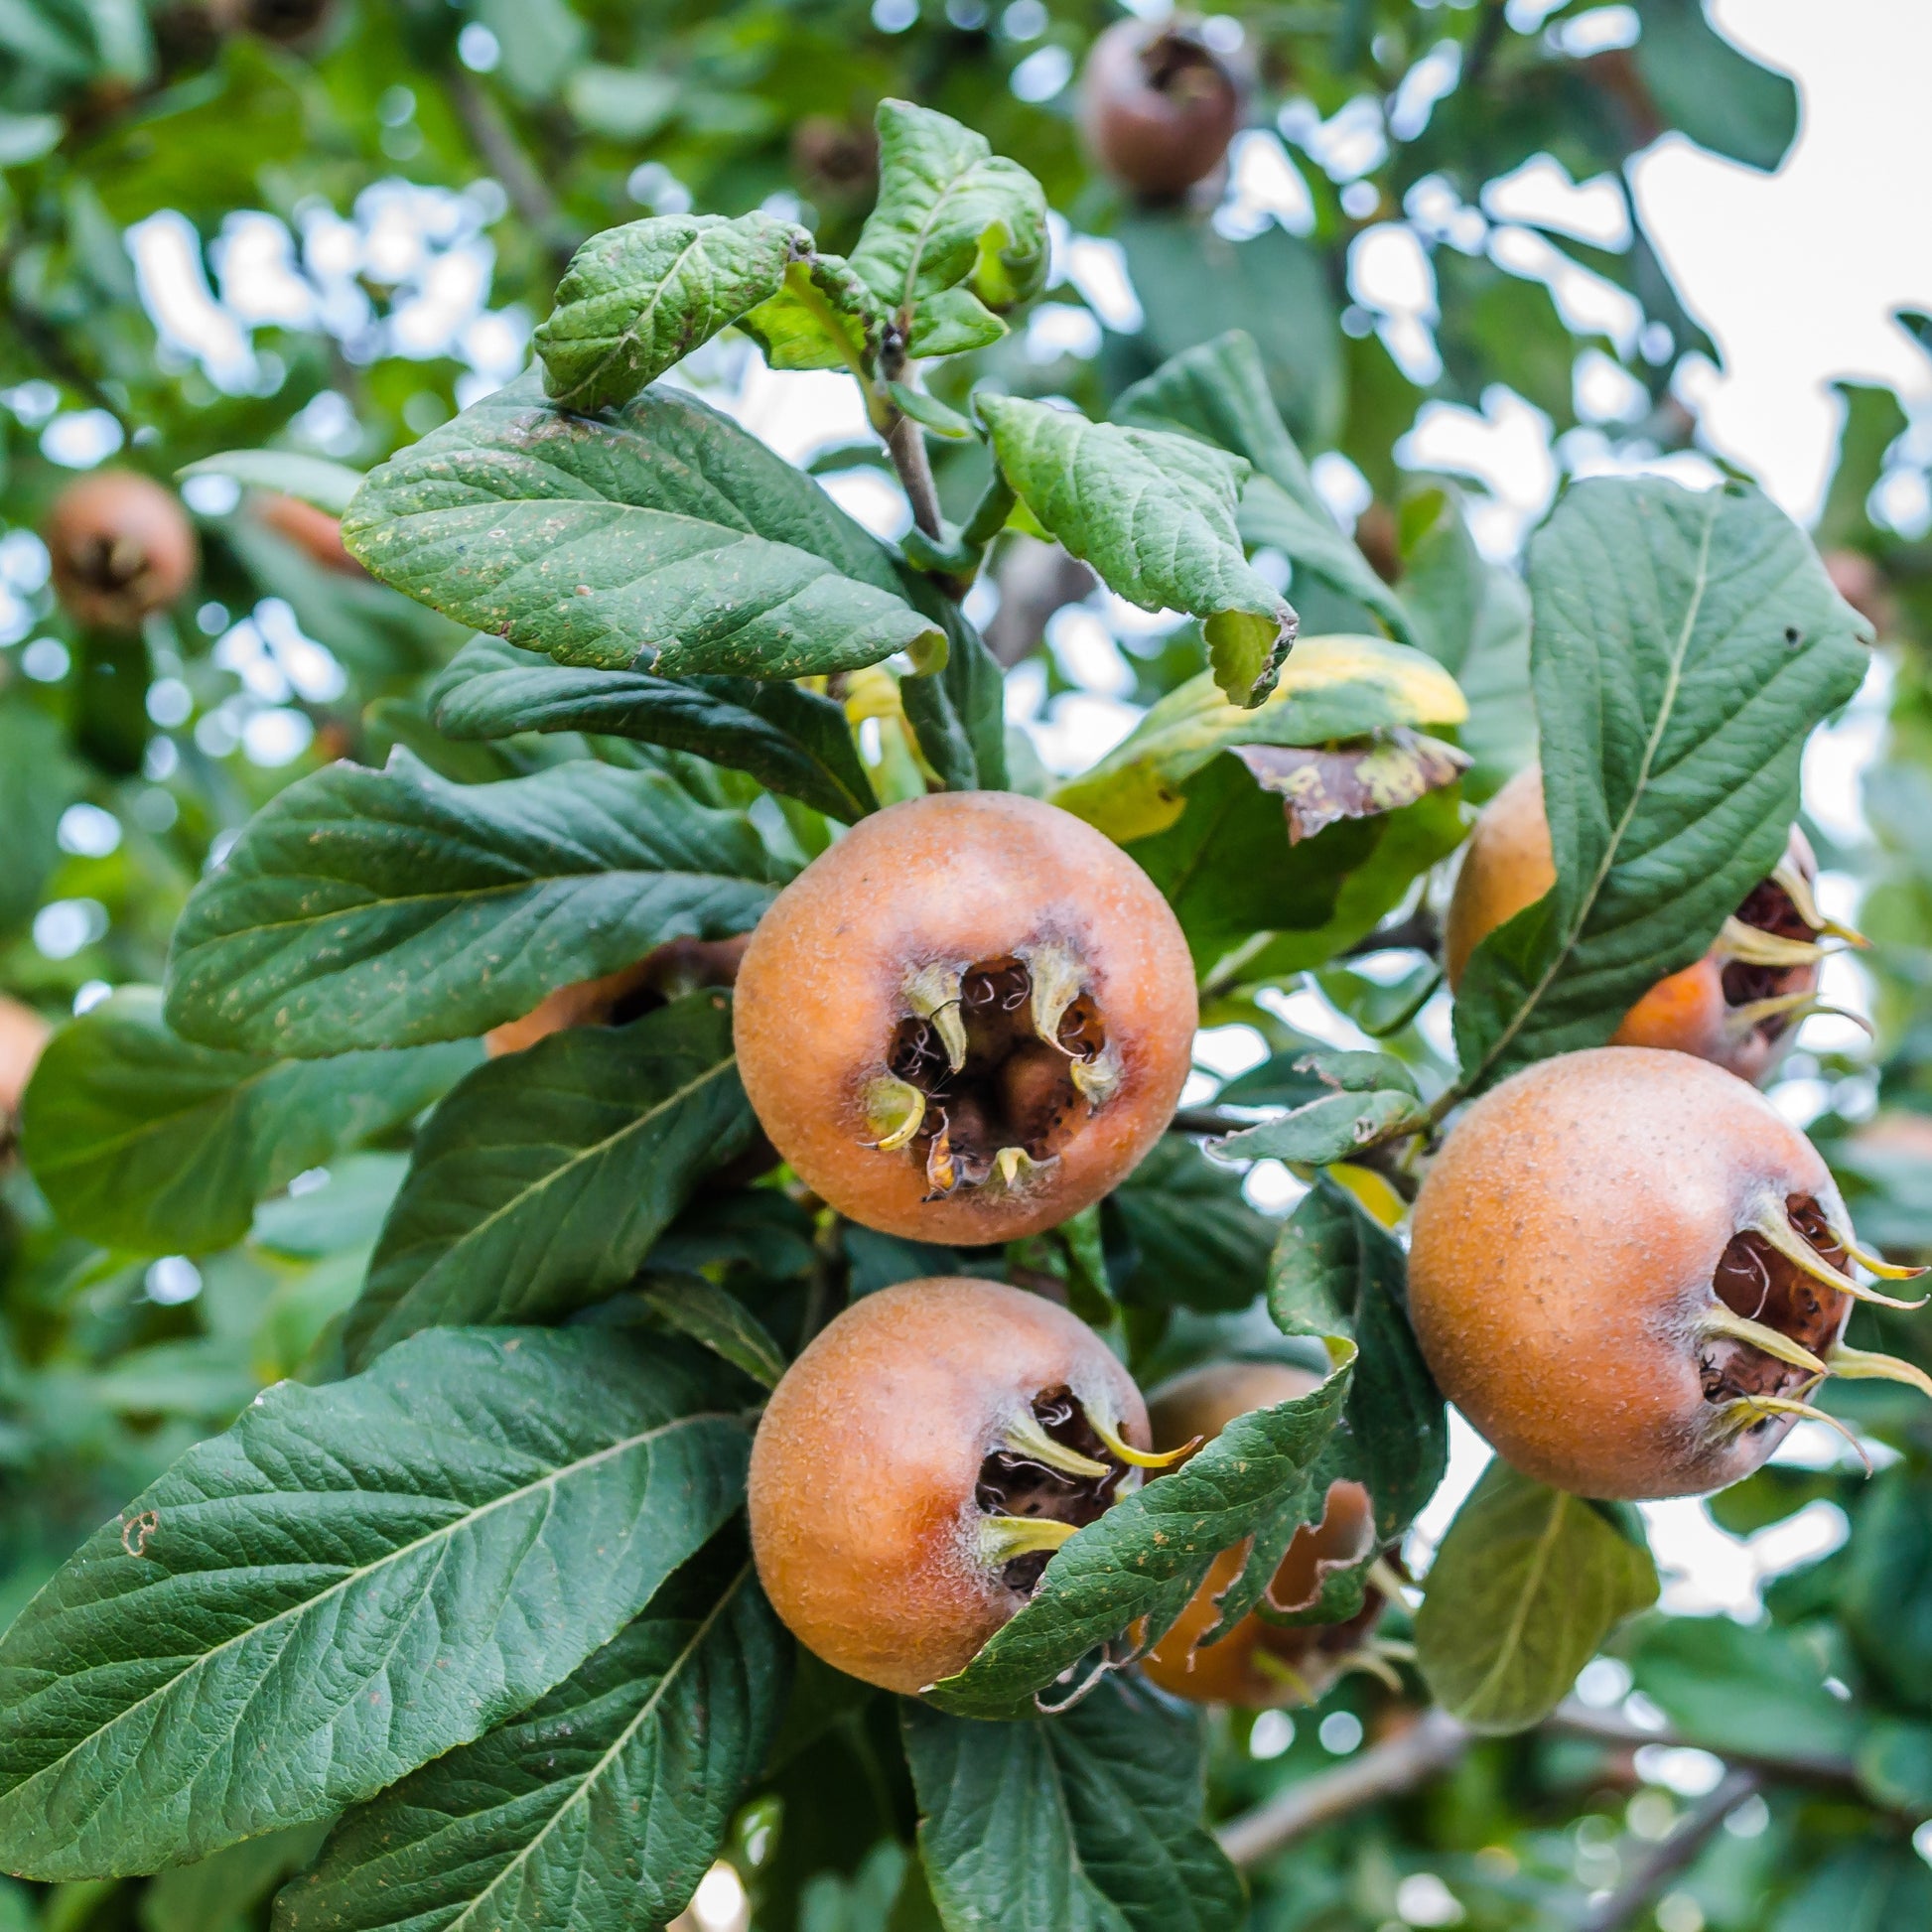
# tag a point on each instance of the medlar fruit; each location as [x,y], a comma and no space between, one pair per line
[1740,1006]
[120,547]
[1158,107]
[666,973]
[317,534]
[919,1464]
[1259,1665]
[1629,1270]
[966,1020]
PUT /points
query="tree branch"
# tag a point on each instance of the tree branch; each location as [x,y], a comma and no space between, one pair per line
[1670,1855]
[496,140]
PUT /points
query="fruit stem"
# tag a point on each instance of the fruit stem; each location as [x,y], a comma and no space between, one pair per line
[1861,1364]
[1720,1321]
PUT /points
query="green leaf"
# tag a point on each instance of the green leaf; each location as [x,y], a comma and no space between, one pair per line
[1873,1886]
[1707,88]
[1145,1557]
[717,1320]
[1331,688]
[929,410]
[958,713]
[823,318]
[787,738]
[601,1806]
[1218,394]
[351,1581]
[221,1894]
[540,1184]
[1185,1233]
[661,538]
[1154,514]
[958,235]
[387,908]
[1336,1271]
[312,478]
[1337,1127]
[1088,1822]
[1528,1582]
[142,1140]
[1685,646]
[39,780]
[637,298]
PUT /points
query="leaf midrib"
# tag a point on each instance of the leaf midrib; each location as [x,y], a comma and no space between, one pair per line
[1513,1636]
[1521,1017]
[587,1781]
[446,1531]
[630,331]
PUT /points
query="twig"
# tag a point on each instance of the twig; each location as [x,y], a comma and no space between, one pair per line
[1434,1743]
[1670,1855]
[1035,579]
[496,142]
[1799,1763]
[1421,933]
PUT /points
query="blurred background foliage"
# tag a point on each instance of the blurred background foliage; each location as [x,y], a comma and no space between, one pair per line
[324,228]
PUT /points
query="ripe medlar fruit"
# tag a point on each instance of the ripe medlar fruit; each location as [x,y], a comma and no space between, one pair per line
[1158,107]
[120,547]
[921,1463]
[23,1033]
[317,534]
[1259,1665]
[1740,1006]
[1628,1271]
[966,1020]
[665,973]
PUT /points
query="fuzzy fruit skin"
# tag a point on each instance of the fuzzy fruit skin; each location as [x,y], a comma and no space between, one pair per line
[1202,1403]
[863,1468]
[120,546]
[1157,141]
[1509,865]
[1564,1244]
[959,876]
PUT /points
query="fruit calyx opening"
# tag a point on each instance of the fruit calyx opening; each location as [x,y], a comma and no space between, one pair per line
[992,1069]
[1769,952]
[1177,64]
[1051,1473]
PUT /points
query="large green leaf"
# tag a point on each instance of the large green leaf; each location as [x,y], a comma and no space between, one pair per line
[1089,1822]
[1711,91]
[601,1806]
[958,233]
[1685,644]
[637,298]
[1183,1233]
[351,1581]
[787,738]
[386,908]
[958,713]
[1146,1558]
[540,1184]
[1218,392]
[1154,514]
[140,1138]
[1331,688]
[661,538]
[1528,1582]
[39,780]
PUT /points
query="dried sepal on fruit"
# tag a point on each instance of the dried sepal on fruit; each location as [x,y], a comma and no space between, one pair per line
[1260,1665]
[967,1020]
[1631,1274]
[119,547]
[921,1463]
[1738,1007]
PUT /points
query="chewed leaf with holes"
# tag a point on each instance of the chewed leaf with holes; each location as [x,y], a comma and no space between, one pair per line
[1154,514]
[636,298]
[661,538]
[1684,646]
[351,1581]
[599,1807]
[958,235]
[1147,1555]
[1528,1582]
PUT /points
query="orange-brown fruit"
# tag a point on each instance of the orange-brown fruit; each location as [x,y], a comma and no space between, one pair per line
[1158,107]
[921,1463]
[967,1020]
[1740,1006]
[314,532]
[666,973]
[1629,1272]
[120,546]
[23,1032]
[1259,1665]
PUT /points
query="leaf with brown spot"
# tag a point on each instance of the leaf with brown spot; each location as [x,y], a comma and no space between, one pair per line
[1319,787]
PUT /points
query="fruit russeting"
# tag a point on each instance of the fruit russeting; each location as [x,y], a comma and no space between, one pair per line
[1740,1006]
[1158,107]
[919,1464]
[120,547]
[967,1020]
[1630,1272]
[1259,1664]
